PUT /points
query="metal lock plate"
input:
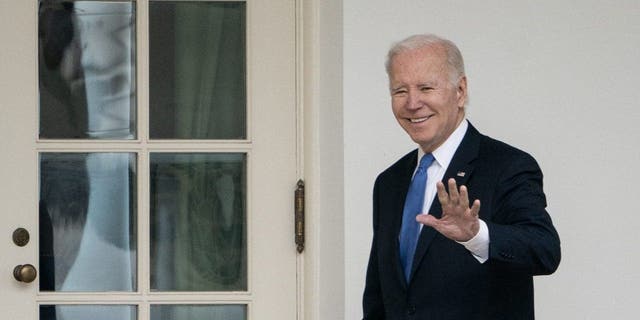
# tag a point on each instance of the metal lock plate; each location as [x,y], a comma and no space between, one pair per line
[21,237]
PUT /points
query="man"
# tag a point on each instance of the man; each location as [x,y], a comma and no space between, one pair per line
[436,253]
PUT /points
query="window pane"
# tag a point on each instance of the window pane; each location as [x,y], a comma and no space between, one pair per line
[198,312]
[197,70]
[87,222]
[85,312]
[86,57]
[198,233]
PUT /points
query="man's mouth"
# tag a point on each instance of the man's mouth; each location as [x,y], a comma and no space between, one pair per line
[418,120]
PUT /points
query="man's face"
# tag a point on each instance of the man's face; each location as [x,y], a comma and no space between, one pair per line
[425,103]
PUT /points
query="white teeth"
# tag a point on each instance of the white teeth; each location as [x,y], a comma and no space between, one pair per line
[416,120]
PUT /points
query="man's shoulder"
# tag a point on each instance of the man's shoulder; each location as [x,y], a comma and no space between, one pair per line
[487,145]
[497,149]
[495,157]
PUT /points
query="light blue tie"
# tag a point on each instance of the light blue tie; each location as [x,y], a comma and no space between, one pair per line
[412,207]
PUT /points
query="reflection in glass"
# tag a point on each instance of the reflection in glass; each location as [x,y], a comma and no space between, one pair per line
[87,222]
[197,70]
[85,312]
[198,240]
[198,312]
[86,56]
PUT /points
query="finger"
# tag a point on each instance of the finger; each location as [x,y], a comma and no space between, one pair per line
[427,220]
[453,191]
[475,208]
[443,196]
[464,197]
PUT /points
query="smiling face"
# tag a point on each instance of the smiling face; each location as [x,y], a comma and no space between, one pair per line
[424,100]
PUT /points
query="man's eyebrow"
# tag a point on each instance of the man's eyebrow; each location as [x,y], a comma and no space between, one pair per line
[429,83]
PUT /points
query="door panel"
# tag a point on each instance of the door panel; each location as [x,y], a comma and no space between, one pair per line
[87,222]
[149,150]
[93,312]
[87,69]
[203,248]
[197,70]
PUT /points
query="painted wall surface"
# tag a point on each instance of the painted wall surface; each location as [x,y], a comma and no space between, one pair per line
[556,78]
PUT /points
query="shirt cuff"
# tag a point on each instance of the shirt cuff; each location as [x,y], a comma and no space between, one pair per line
[479,244]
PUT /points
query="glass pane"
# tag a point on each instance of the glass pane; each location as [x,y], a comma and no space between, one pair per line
[87,222]
[85,312]
[86,57]
[197,70]
[198,312]
[198,233]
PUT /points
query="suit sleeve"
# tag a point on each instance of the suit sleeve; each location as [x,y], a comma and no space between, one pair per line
[372,304]
[522,236]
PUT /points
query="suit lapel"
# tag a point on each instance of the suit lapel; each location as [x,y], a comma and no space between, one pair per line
[397,197]
[460,168]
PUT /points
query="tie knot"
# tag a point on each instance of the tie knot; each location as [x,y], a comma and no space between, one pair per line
[426,161]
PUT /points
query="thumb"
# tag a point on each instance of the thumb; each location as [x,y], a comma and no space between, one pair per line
[427,219]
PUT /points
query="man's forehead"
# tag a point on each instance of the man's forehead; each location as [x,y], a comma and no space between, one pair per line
[432,51]
[433,56]
[425,67]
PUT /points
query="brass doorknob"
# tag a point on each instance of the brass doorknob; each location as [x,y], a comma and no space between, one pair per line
[25,273]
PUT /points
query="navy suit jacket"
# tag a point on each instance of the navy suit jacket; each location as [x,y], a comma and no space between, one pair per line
[447,282]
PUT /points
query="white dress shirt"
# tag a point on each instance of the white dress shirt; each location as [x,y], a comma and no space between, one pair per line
[479,244]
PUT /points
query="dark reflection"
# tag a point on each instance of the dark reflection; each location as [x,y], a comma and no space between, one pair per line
[64,199]
[86,69]
[63,104]
[197,70]
[86,312]
[198,234]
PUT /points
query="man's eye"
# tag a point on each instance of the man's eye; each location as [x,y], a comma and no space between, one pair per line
[399,92]
[423,89]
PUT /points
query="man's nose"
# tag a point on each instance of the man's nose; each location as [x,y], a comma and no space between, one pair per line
[413,100]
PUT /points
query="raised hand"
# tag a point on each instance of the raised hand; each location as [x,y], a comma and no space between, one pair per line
[459,222]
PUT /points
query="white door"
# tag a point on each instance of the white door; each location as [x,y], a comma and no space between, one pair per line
[148,159]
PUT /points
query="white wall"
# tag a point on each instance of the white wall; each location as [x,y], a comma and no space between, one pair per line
[556,78]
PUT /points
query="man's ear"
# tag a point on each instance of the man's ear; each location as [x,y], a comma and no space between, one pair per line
[461,91]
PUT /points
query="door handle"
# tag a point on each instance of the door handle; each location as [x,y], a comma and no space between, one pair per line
[25,273]
[299,216]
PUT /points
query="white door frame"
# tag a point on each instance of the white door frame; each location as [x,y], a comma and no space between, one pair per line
[322,266]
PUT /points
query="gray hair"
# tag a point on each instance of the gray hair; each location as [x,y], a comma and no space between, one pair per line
[454,57]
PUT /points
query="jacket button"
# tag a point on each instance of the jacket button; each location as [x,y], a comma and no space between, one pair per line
[411,310]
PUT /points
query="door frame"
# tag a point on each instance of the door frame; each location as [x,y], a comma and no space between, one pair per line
[320,72]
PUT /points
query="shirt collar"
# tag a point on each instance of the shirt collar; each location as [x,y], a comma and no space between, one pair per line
[444,153]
